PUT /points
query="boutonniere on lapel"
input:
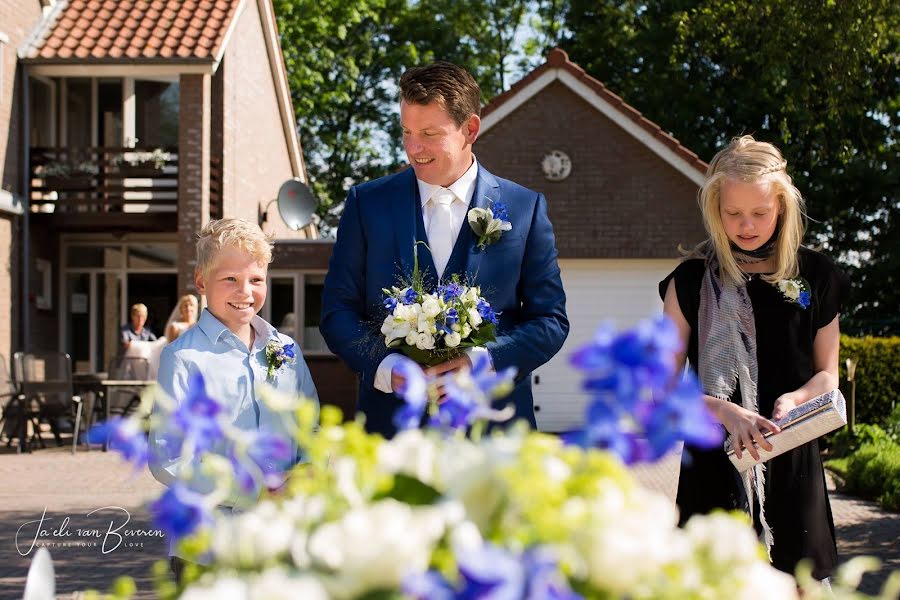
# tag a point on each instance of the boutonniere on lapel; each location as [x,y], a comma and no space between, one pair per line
[795,291]
[489,223]
[277,355]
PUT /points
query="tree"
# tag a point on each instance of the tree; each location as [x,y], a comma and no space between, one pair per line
[344,60]
[818,79]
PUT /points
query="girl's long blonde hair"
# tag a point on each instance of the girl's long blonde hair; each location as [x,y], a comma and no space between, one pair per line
[750,161]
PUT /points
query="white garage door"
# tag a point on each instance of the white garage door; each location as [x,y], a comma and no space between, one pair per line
[624,291]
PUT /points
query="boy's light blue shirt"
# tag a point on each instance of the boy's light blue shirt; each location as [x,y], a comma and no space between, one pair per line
[232,375]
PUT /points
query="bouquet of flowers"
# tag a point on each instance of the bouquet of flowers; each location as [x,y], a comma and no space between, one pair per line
[433,326]
[445,513]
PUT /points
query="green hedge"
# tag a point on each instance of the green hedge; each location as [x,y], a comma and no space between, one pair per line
[877,376]
[873,471]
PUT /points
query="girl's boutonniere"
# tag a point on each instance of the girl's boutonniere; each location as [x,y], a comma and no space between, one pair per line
[795,291]
[489,223]
[277,355]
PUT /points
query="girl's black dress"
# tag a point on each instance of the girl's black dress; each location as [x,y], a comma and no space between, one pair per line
[796,505]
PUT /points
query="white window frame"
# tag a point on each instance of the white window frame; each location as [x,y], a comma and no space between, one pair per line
[299,282]
[122,271]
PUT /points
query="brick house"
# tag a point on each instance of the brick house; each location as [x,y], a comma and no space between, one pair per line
[621,194]
[142,121]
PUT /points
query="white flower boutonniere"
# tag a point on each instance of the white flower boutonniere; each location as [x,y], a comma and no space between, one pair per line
[795,291]
[277,355]
[489,223]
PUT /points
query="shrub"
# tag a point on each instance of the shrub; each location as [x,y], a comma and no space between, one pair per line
[873,471]
[877,376]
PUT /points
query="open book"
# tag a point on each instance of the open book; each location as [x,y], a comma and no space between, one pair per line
[822,414]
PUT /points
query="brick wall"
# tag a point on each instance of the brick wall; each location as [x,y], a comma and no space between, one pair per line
[193,172]
[255,151]
[17,19]
[621,200]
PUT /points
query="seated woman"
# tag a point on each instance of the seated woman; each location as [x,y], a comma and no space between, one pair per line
[184,315]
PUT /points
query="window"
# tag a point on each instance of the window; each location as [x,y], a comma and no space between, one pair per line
[293,307]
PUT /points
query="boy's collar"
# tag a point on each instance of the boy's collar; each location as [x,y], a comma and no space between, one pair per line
[214,328]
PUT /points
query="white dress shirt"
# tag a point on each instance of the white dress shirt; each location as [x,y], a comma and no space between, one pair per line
[463,188]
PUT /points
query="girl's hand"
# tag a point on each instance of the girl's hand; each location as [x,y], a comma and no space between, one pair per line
[784,404]
[746,428]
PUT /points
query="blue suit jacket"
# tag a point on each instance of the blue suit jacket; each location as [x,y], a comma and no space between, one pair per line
[518,275]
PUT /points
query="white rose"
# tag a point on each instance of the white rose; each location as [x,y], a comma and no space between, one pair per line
[790,288]
[424,324]
[276,584]
[425,341]
[223,587]
[245,539]
[411,338]
[452,339]
[405,538]
[388,325]
[411,453]
[431,306]
[474,317]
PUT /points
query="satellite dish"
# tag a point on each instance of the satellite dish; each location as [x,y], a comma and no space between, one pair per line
[296,204]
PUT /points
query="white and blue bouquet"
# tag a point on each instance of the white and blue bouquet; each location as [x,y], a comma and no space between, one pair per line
[433,326]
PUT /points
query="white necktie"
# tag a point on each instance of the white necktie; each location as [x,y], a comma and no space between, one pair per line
[440,228]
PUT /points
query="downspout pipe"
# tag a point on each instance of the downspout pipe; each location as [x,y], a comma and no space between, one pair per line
[25,333]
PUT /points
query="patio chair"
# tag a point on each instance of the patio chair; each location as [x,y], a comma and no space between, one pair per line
[127,368]
[46,380]
[15,415]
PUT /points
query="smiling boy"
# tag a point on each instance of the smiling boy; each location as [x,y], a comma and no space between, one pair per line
[228,345]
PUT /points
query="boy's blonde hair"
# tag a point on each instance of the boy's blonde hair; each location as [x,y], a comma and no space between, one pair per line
[749,161]
[231,233]
[138,308]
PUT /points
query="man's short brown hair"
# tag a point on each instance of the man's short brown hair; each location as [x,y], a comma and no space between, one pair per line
[451,86]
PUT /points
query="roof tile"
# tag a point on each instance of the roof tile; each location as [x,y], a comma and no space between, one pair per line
[136,29]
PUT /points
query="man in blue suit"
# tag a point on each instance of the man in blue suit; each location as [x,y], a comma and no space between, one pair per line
[383,219]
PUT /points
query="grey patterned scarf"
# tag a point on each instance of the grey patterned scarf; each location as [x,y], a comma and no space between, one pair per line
[727,357]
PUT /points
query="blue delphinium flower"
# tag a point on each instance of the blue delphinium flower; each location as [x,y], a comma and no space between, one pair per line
[125,437]
[803,299]
[179,512]
[409,296]
[494,573]
[273,454]
[487,313]
[413,392]
[468,394]
[449,291]
[287,351]
[500,211]
[430,585]
[452,317]
[639,409]
[197,417]
[390,303]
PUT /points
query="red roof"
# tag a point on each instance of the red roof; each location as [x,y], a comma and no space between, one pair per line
[558,59]
[134,30]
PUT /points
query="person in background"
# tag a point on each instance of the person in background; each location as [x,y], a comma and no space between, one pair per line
[136,329]
[184,315]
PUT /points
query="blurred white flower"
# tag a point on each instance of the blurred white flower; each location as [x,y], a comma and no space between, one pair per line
[375,546]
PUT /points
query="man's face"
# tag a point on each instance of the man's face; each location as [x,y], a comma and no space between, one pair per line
[138,320]
[235,288]
[439,150]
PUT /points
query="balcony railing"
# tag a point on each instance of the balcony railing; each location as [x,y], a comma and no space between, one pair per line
[111,180]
